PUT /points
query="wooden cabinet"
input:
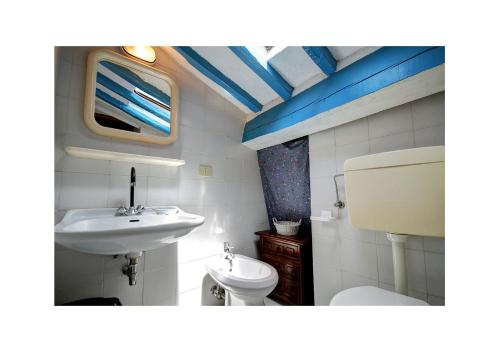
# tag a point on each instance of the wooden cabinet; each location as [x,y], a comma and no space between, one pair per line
[292,258]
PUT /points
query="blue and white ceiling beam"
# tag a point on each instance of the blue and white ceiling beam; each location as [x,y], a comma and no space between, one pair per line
[211,72]
[386,78]
[322,58]
[264,71]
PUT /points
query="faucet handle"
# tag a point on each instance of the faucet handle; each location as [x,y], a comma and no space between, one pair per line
[139,209]
[227,247]
[121,210]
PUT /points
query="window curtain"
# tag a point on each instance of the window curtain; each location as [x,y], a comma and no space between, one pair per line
[284,170]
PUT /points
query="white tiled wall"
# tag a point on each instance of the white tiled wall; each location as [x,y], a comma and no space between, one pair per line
[344,256]
[231,200]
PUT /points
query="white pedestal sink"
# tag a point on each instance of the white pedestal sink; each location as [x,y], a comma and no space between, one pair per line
[100,231]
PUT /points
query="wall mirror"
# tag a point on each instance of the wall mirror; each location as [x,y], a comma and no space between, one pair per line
[129,100]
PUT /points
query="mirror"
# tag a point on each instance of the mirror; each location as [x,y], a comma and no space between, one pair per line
[129,100]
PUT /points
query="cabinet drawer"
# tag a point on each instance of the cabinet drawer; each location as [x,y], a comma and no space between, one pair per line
[284,267]
[280,248]
[287,291]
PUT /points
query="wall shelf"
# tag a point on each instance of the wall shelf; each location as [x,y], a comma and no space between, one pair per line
[88,153]
[327,216]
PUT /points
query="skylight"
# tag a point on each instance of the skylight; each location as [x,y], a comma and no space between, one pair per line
[264,53]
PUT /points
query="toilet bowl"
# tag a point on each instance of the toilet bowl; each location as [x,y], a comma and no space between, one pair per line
[373,296]
[246,282]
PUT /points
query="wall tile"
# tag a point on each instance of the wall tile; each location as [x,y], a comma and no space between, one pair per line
[348,232]
[193,114]
[79,190]
[192,140]
[322,191]
[161,258]
[60,115]
[124,169]
[430,136]
[215,145]
[191,275]
[77,82]
[415,268]
[160,287]
[190,298]
[332,284]
[119,287]
[57,189]
[428,112]
[434,267]
[162,191]
[326,248]
[360,258]
[322,163]
[353,132]
[392,142]
[63,78]
[433,244]
[392,121]
[350,280]
[323,140]
[436,301]
[233,169]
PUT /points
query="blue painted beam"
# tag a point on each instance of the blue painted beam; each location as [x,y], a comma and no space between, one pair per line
[202,65]
[264,71]
[378,70]
[322,57]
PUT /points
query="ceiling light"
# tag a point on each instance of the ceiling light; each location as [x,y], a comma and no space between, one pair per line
[144,53]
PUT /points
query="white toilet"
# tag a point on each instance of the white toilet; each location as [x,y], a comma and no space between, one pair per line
[373,296]
[247,281]
[401,193]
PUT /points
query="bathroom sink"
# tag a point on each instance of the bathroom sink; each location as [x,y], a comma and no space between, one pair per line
[101,231]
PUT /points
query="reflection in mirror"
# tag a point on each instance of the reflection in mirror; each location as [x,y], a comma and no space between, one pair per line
[131,100]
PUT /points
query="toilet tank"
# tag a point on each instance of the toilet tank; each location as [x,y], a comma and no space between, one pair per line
[399,192]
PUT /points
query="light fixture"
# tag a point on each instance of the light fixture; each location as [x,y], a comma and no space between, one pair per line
[144,53]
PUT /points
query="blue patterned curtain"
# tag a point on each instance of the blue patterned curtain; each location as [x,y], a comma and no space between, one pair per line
[284,170]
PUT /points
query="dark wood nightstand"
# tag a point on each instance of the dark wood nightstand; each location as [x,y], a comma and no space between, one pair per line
[292,258]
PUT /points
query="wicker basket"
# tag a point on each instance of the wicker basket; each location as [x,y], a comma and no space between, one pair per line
[287,228]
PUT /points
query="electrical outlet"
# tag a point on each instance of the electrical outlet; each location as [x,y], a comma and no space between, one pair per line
[205,170]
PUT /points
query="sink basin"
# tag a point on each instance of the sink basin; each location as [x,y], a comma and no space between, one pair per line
[100,231]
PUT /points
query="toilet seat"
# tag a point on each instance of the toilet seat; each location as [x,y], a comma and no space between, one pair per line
[373,296]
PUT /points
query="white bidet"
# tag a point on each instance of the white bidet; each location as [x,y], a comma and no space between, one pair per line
[247,281]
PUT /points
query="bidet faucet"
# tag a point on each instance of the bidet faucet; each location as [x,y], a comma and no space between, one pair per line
[229,255]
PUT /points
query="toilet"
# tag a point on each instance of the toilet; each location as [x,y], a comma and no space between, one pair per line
[400,193]
[373,296]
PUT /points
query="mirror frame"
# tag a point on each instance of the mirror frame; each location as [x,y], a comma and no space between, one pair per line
[90,88]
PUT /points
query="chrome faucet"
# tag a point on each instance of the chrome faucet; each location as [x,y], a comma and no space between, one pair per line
[228,255]
[131,210]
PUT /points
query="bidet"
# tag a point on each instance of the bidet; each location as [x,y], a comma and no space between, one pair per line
[246,282]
